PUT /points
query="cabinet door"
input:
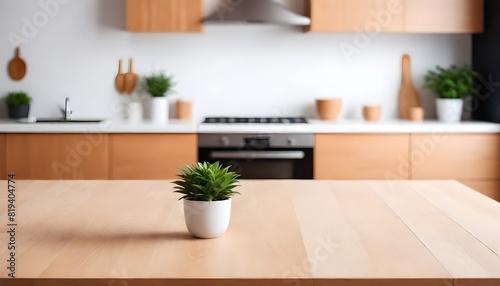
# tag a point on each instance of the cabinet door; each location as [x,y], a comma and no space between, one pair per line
[357,16]
[151,156]
[361,156]
[164,15]
[397,16]
[58,156]
[456,156]
[444,16]
[488,188]
[3,170]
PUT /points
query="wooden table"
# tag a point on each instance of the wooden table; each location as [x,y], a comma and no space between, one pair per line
[348,233]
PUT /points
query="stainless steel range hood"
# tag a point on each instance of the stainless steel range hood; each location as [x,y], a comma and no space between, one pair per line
[255,11]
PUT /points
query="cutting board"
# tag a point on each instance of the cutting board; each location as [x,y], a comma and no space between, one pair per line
[408,95]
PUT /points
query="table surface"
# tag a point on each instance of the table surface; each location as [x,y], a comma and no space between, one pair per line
[281,232]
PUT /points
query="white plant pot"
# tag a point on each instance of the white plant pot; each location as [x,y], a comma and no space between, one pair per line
[449,110]
[207,219]
[159,110]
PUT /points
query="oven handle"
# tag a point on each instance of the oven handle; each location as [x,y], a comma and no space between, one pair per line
[272,155]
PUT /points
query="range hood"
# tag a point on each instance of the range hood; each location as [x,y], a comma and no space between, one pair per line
[255,11]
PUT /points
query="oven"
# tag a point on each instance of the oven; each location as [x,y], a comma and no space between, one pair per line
[260,156]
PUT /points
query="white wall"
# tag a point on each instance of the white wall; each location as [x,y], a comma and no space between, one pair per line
[228,70]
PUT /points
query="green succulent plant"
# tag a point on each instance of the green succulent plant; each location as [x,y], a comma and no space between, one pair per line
[17,98]
[206,182]
[158,84]
[453,82]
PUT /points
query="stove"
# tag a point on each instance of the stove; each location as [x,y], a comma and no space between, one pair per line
[256,120]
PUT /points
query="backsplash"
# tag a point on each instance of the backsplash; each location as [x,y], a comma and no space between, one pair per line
[228,70]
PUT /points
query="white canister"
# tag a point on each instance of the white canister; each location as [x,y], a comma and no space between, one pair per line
[159,110]
[134,112]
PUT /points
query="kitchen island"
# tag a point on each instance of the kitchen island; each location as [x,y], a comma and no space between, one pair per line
[353,233]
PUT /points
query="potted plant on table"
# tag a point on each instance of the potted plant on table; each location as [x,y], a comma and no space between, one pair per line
[451,85]
[158,85]
[207,190]
[18,104]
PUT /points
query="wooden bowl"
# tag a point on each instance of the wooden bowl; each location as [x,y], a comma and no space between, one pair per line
[329,109]
[416,113]
[372,113]
[184,110]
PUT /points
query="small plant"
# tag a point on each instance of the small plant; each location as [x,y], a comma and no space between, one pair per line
[158,84]
[206,182]
[452,82]
[17,99]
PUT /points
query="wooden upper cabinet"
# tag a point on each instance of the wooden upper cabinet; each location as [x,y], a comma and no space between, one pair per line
[58,156]
[151,156]
[438,16]
[456,156]
[357,16]
[397,16]
[164,15]
[3,170]
[361,156]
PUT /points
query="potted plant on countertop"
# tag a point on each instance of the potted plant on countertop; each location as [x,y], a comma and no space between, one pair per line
[18,104]
[158,85]
[451,85]
[207,190]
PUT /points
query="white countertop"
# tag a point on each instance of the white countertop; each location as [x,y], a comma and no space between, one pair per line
[355,126]
[315,126]
[107,126]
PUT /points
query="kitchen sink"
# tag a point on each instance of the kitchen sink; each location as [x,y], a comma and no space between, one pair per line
[62,120]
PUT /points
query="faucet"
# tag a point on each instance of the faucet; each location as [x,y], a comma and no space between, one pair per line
[67,109]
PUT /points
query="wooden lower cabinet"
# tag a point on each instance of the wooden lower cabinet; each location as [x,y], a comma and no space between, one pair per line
[57,156]
[468,157]
[3,170]
[361,156]
[151,156]
[488,188]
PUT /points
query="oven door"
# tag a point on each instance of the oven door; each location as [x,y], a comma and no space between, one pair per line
[272,163]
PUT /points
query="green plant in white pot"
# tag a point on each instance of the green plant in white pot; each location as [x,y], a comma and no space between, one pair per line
[451,85]
[158,85]
[207,190]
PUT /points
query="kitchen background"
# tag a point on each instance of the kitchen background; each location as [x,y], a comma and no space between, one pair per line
[245,70]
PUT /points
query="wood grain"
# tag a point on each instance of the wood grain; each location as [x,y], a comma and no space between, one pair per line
[488,188]
[444,16]
[164,15]
[147,238]
[57,156]
[151,156]
[456,156]
[462,254]
[370,233]
[362,248]
[361,156]
[3,169]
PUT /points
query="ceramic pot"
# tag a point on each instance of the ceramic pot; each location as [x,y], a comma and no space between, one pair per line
[17,112]
[372,113]
[159,110]
[328,109]
[449,110]
[207,219]
[134,112]
[184,110]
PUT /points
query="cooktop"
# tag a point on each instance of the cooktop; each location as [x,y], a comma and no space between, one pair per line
[256,120]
